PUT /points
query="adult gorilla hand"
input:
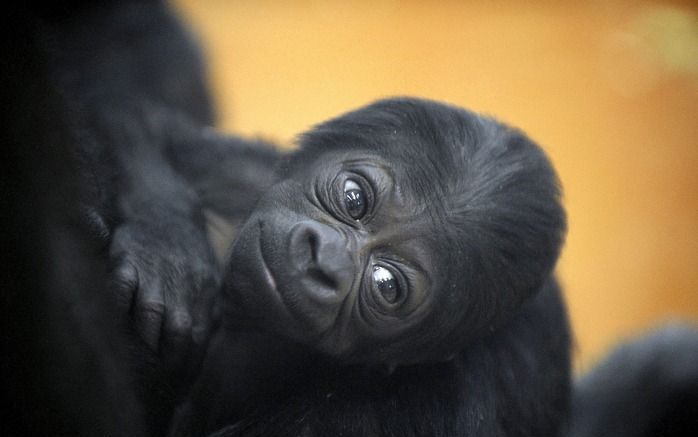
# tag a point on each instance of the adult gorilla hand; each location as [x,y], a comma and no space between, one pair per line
[166,274]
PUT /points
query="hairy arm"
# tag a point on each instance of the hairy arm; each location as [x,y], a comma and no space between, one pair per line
[114,66]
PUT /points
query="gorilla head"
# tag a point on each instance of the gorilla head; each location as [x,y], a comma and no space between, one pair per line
[397,233]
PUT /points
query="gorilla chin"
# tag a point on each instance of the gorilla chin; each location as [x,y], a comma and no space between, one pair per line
[250,283]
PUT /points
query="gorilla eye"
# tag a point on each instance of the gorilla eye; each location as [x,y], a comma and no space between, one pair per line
[386,284]
[354,199]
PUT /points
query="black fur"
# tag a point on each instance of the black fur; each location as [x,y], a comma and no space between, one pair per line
[66,368]
[514,382]
[645,387]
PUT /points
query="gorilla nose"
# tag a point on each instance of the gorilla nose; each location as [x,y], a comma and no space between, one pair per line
[321,257]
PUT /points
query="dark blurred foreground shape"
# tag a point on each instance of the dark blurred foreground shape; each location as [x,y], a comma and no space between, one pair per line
[64,364]
[645,387]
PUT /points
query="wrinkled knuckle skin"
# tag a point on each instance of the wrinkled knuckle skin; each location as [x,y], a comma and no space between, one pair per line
[151,309]
[96,226]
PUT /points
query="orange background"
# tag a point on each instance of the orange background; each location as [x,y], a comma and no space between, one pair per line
[608,88]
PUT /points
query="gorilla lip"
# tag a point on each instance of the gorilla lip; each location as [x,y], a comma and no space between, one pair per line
[268,277]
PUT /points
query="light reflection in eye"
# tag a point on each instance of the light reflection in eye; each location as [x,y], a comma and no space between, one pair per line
[386,283]
[354,199]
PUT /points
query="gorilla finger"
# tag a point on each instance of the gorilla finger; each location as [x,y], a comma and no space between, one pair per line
[176,340]
[148,317]
[204,319]
[201,336]
[124,282]
[200,333]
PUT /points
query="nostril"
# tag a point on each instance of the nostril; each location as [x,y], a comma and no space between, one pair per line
[303,246]
[313,244]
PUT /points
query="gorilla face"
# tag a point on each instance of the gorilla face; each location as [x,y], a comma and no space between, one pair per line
[397,233]
[337,255]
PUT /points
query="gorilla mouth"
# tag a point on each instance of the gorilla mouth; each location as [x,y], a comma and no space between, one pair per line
[266,273]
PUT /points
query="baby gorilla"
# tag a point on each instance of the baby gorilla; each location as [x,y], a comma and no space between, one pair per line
[413,237]
[398,233]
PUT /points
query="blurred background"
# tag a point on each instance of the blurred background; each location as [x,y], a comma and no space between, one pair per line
[608,88]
